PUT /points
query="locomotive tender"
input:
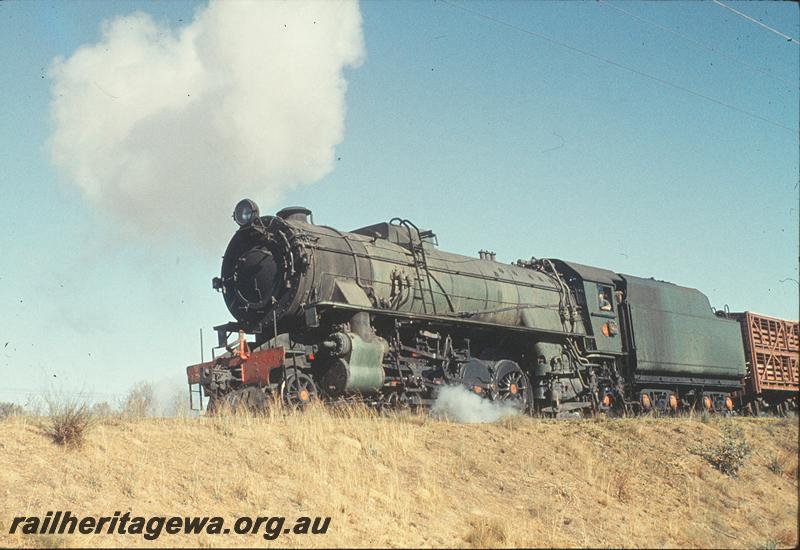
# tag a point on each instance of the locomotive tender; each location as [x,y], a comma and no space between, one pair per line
[383,314]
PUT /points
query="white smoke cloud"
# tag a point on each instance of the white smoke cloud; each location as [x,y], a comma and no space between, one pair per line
[155,124]
[461,405]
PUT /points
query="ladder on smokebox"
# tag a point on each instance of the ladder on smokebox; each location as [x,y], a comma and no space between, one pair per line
[420,265]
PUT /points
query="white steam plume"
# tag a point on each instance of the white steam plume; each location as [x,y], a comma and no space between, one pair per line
[461,405]
[155,124]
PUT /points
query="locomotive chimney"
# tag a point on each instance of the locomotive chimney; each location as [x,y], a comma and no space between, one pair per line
[295,213]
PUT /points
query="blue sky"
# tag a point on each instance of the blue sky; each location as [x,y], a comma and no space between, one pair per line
[489,135]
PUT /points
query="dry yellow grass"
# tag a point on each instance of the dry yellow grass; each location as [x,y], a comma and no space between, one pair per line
[413,481]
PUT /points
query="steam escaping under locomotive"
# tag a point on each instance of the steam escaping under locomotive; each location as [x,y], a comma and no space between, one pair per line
[382,314]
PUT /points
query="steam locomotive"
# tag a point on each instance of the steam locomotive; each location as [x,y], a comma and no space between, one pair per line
[382,314]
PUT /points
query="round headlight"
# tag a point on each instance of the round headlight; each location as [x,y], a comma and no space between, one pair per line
[245,212]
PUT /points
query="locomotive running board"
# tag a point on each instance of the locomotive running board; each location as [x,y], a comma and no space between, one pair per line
[311,316]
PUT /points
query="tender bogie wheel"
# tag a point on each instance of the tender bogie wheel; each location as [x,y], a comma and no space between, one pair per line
[511,385]
[299,389]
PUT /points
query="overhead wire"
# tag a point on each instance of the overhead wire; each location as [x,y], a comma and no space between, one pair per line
[618,65]
[698,43]
[757,22]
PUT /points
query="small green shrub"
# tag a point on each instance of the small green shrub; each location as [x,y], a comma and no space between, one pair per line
[730,455]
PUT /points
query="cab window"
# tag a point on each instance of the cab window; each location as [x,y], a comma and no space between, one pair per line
[604,298]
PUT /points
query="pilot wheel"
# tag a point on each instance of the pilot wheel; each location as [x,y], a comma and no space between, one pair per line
[298,390]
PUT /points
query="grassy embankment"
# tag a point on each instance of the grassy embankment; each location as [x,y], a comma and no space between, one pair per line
[413,480]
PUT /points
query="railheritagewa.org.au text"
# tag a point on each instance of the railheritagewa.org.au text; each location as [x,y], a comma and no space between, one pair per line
[151,528]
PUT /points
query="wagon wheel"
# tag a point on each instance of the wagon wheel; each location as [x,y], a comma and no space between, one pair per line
[511,385]
[298,389]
